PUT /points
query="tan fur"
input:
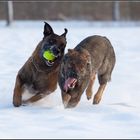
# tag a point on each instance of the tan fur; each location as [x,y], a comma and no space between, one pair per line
[98,95]
[89,88]
[94,55]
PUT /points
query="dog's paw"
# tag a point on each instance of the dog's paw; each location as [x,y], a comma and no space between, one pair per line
[96,99]
[17,103]
[66,99]
[89,95]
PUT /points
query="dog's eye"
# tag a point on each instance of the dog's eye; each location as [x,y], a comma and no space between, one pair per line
[88,64]
[51,41]
[82,69]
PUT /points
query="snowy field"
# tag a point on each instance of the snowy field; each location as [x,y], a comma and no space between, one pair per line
[118,114]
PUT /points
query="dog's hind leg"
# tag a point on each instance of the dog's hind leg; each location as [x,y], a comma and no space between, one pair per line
[98,95]
[89,88]
[18,90]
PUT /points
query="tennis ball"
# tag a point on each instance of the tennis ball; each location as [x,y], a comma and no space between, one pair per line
[48,55]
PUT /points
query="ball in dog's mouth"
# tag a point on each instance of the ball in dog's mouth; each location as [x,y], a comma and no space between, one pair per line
[49,57]
[70,83]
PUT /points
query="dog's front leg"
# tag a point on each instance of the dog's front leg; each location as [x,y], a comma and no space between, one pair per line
[18,90]
[66,98]
[35,98]
[90,85]
[98,95]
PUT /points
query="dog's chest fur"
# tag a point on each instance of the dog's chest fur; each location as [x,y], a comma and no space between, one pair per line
[43,82]
[38,82]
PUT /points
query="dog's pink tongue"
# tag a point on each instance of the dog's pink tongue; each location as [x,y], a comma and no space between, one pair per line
[70,83]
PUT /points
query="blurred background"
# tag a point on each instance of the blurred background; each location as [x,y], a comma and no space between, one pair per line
[21,29]
[92,11]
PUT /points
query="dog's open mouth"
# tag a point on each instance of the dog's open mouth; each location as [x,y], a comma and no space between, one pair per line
[50,57]
[51,62]
[70,83]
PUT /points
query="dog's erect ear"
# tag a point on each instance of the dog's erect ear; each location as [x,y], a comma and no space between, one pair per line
[85,54]
[64,34]
[47,29]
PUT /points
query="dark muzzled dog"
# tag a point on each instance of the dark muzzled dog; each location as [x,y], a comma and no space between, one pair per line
[94,55]
[39,75]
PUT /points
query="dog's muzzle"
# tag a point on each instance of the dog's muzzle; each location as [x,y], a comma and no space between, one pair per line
[50,55]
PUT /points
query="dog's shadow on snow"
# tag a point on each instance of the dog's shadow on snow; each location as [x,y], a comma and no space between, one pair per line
[123,105]
[25,108]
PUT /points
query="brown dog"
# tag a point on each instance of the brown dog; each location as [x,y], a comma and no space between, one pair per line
[39,75]
[94,55]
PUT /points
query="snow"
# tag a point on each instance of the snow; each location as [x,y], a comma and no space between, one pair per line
[118,114]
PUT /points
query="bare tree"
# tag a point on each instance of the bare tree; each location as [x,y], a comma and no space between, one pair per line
[116,10]
[9,11]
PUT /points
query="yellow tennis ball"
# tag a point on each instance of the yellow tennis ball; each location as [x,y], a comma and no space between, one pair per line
[48,55]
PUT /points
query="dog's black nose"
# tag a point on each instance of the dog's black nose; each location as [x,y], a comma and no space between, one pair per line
[72,74]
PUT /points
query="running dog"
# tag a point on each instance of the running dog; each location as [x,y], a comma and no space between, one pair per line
[94,55]
[39,75]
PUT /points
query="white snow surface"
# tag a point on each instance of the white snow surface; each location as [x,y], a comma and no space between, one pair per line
[117,115]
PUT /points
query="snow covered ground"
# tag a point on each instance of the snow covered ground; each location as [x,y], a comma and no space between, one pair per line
[118,114]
